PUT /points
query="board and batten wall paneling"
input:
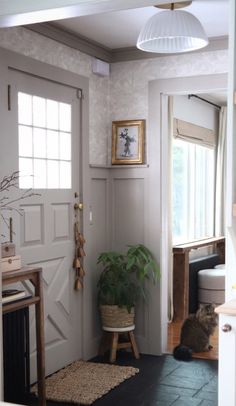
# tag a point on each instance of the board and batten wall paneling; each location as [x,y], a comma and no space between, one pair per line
[99,232]
[128,211]
[129,194]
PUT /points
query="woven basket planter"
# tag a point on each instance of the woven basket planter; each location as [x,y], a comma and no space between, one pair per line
[116,317]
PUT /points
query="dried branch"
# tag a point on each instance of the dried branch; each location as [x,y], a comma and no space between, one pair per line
[6,185]
[7,205]
[9,181]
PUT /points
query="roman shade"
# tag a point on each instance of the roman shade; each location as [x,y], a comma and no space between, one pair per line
[194,133]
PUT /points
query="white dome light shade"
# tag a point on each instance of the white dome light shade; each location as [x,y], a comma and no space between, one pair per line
[172,31]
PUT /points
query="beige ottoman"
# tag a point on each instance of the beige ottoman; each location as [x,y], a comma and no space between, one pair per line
[220,266]
[211,286]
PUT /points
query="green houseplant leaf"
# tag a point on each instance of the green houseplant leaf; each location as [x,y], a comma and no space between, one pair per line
[123,278]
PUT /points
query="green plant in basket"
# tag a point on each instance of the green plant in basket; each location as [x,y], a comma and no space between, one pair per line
[122,281]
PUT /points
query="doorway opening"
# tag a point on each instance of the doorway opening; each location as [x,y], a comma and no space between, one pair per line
[197,149]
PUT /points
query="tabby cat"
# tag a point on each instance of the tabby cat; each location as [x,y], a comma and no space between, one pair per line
[195,333]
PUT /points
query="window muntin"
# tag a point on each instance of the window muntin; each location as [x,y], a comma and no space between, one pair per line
[44,136]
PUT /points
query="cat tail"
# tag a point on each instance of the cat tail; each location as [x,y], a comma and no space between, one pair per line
[182,353]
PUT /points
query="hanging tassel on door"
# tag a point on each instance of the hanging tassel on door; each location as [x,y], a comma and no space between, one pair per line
[79,254]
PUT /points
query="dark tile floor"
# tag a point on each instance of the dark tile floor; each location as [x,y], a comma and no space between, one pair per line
[162,381]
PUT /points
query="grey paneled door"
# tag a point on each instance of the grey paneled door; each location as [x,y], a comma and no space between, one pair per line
[45,137]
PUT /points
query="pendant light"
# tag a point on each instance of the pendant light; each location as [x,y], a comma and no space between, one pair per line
[172,31]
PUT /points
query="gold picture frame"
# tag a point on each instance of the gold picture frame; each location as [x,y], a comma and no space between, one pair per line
[128,142]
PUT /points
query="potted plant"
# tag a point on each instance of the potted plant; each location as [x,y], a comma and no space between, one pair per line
[122,283]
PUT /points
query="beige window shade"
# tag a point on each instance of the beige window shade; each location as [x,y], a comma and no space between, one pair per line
[194,133]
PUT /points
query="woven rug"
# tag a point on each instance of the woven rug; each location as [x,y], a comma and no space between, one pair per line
[84,382]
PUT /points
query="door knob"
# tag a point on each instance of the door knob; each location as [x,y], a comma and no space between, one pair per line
[78,206]
[226,328]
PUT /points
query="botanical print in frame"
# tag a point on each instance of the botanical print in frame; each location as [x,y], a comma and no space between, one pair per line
[128,142]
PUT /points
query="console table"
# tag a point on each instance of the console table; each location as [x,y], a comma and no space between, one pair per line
[181,271]
[34,275]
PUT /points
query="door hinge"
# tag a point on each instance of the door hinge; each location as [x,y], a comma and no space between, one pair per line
[9,97]
[80,94]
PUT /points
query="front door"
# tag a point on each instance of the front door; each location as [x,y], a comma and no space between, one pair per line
[44,134]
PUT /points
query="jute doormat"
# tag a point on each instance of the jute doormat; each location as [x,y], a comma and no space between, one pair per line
[84,382]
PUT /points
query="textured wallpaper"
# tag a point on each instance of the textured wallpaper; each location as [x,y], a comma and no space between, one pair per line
[129,90]
[122,96]
[31,44]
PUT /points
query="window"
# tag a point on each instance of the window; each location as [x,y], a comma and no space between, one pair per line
[193,191]
[44,133]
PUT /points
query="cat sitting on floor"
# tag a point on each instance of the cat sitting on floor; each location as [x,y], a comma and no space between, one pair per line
[195,333]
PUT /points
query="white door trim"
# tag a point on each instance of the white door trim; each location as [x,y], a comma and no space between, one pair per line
[184,85]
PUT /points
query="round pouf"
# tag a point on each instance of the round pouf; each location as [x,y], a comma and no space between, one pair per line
[211,286]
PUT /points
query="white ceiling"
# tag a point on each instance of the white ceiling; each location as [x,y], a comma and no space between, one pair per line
[15,12]
[120,29]
[219,98]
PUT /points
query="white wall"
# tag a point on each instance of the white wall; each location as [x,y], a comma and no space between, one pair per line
[129,80]
[196,112]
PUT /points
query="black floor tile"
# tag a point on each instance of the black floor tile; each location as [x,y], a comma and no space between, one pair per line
[207,395]
[182,401]
[177,391]
[161,381]
[208,403]
[195,369]
[190,382]
[159,396]
[211,386]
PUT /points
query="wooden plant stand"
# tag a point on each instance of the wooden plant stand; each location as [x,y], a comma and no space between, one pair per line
[110,340]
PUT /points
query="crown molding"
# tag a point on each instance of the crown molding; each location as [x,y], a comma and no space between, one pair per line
[96,50]
[133,53]
[72,40]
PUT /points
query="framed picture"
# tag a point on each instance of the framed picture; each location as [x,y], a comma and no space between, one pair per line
[128,142]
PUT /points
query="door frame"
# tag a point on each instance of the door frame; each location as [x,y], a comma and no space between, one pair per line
[24,64]
[158,122]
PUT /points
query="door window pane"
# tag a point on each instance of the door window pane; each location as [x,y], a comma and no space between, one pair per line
[52,114]
[52,145]
[40,174]
[39,111]
[26,173]
[39,143]
[65,175]
[44,152]
[24,108]
[65,117]
[25,141]
[65,146]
